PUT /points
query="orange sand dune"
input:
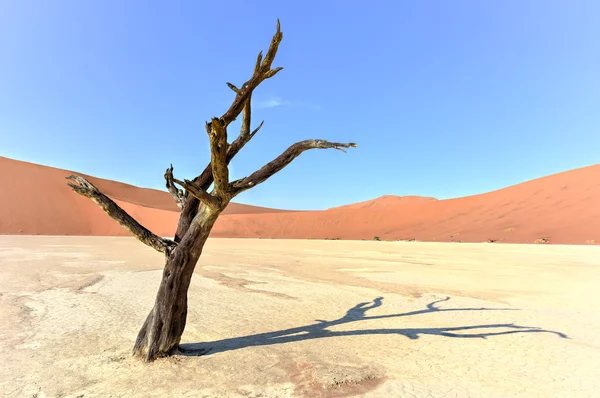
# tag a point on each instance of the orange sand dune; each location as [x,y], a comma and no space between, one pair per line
[35,200]
[562,208]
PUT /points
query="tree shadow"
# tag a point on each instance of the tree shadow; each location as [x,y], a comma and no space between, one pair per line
[358,313]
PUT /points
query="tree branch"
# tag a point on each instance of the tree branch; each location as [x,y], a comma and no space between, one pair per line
[177,194]
[245,134]
[240,102]
[199,193]
[262,71]
[217,134]
[283,160]
[87,189]
[204,180]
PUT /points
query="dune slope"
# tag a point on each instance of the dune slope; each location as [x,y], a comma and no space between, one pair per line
[35,200]
[561,208]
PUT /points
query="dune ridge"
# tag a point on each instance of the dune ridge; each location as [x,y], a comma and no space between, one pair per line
[562,208]
[35,200]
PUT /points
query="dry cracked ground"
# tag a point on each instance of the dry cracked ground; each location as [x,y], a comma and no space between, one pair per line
[304,319]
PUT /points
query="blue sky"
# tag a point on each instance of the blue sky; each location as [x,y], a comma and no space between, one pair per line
[444,98]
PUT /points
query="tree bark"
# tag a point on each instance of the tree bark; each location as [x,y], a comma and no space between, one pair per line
[161,333]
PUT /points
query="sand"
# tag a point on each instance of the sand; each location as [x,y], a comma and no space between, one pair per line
[561,208]
[558,209]
[35,200]
[304,319]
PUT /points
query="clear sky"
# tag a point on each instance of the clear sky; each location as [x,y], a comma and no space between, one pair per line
[444,98]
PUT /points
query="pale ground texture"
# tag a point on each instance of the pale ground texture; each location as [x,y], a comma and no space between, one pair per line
[304,319]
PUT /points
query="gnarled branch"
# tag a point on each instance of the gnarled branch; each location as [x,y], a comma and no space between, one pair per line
[87,189]
[218,131]
[199,193]
[177,194]
[262,71]
[283,160]
[245,134]
[204,181]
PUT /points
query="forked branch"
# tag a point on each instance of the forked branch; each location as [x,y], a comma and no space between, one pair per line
[262,71]
[205,179]
[87,189]
[217,127]
[217,170]
[245,134]
[283,160]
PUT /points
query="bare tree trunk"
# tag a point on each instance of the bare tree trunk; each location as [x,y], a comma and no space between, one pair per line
[187,215]
[161,333]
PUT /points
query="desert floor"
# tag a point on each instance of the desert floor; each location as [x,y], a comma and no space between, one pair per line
[304,318]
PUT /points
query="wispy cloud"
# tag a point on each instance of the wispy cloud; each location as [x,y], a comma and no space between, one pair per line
[275,102]
[272,102]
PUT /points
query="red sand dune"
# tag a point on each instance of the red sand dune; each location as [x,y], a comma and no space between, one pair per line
[563,208]
[35,200]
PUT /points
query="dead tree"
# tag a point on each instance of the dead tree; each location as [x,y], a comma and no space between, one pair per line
[161,333]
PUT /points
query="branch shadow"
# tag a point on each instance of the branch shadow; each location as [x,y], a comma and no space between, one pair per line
[358,313]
